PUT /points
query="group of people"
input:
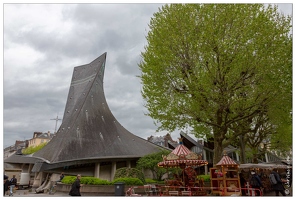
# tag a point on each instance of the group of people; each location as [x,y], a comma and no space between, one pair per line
[9,184]
[255,182]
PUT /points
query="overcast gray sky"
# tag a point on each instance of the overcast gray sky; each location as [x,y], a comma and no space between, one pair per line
[44,42]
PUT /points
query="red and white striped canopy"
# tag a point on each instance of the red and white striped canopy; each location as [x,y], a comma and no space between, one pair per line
[181,155]
[226,160]
[176,163]
[181,150]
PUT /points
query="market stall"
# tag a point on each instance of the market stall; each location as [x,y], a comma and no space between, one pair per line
[225,178]
[264,169]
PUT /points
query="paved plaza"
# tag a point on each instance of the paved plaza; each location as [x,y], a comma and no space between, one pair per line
[30,193]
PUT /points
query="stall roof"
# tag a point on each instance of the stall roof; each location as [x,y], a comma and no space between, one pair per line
[263,166]
[226,160]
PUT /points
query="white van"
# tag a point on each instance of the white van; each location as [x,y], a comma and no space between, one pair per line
[24,180]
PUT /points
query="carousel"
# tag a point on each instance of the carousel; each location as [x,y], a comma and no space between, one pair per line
[186,183]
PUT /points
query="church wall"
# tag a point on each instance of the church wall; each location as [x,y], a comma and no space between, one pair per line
[105,171]
[86,171]
[133,163]
[120,164]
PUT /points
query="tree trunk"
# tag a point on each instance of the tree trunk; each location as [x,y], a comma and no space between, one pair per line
[255,158]
[242,149]
[219,133]
[218,150]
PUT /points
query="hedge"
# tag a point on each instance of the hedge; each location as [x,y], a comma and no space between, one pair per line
[87,180]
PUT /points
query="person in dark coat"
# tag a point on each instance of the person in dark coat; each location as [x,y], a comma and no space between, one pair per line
[75,189]
[6,184]
[13,182]
[242,183]
[257,185]
[279,187]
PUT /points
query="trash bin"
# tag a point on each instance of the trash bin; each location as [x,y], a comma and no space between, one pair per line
[119,189]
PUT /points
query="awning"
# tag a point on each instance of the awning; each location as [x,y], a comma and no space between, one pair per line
[263,166]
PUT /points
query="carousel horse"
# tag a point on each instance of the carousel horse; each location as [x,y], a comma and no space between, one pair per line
[175,182]
[190,176]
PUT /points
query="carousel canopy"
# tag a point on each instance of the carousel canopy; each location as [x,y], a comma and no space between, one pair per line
[181,150]
[176,163]
[226,161]
[181,155]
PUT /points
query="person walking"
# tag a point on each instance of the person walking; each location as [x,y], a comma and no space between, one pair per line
[13,182]
[75,189]
[278,187]
[256,183]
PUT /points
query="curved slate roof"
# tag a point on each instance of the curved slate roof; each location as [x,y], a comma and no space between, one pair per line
[27,159]
[89,130]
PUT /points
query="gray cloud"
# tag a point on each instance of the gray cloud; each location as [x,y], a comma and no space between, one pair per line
[44,42]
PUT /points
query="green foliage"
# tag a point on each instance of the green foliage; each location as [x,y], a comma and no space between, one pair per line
[206,178]
[150,181]
[281,141]
[150,162]
[207,69]
[30,150]
[93,181]
[68,179]
[161,182]
[126,172]
[128,181]
[87,180]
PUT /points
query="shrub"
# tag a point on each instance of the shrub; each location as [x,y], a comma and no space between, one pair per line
[129,173]
[87,180]
[205,177]
[93,181]
[128,181]
[69,179]
[150,181]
